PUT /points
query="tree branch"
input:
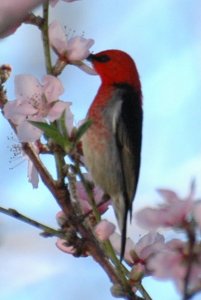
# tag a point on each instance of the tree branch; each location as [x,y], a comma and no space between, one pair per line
[47,231]
[45,38]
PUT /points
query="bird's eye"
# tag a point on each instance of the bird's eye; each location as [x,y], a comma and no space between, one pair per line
[102,58]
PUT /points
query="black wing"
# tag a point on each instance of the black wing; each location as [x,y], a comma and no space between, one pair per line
[129,138]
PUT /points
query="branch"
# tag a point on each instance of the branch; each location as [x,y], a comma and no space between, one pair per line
[62,197]
[34,20]
[45,38]
[47,231]
[59,66]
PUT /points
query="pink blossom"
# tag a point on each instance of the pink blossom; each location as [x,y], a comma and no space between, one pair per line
[32,172]
[78,48]
[172,263]
[74,49]
[61,245]
[172,213]
[36,102]
[104,230]
[168,262]
[69,119]
[84,198]
[115,240]
[147,245]
[54,2]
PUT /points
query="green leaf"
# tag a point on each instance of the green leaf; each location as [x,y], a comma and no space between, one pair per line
[51,131]
[61,125]
[43,126]
[82,129]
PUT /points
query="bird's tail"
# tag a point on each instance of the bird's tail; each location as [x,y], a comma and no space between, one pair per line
[121,212]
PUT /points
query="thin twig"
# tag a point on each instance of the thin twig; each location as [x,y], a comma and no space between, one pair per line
[47,231]
[34,20]
[59,67]
[45,38]
[142,290]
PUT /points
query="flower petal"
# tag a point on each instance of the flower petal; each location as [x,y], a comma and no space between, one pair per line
[61,245]
[32,174]
[172,213]
[52,88]
[27,87]
[149,244]
[78,48]
[57,38]
[104,230]
[115,240]
[27,132]
[69,118]
[56,110]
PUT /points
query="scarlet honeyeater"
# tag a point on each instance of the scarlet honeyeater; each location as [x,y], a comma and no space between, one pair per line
[112,144]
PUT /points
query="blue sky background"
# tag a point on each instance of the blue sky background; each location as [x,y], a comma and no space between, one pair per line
[163,37]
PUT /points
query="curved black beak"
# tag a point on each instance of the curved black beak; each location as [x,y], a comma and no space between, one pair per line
[90,57]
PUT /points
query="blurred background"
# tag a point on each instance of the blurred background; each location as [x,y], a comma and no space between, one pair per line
[163,37]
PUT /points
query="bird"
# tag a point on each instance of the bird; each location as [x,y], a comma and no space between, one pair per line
[112,143]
